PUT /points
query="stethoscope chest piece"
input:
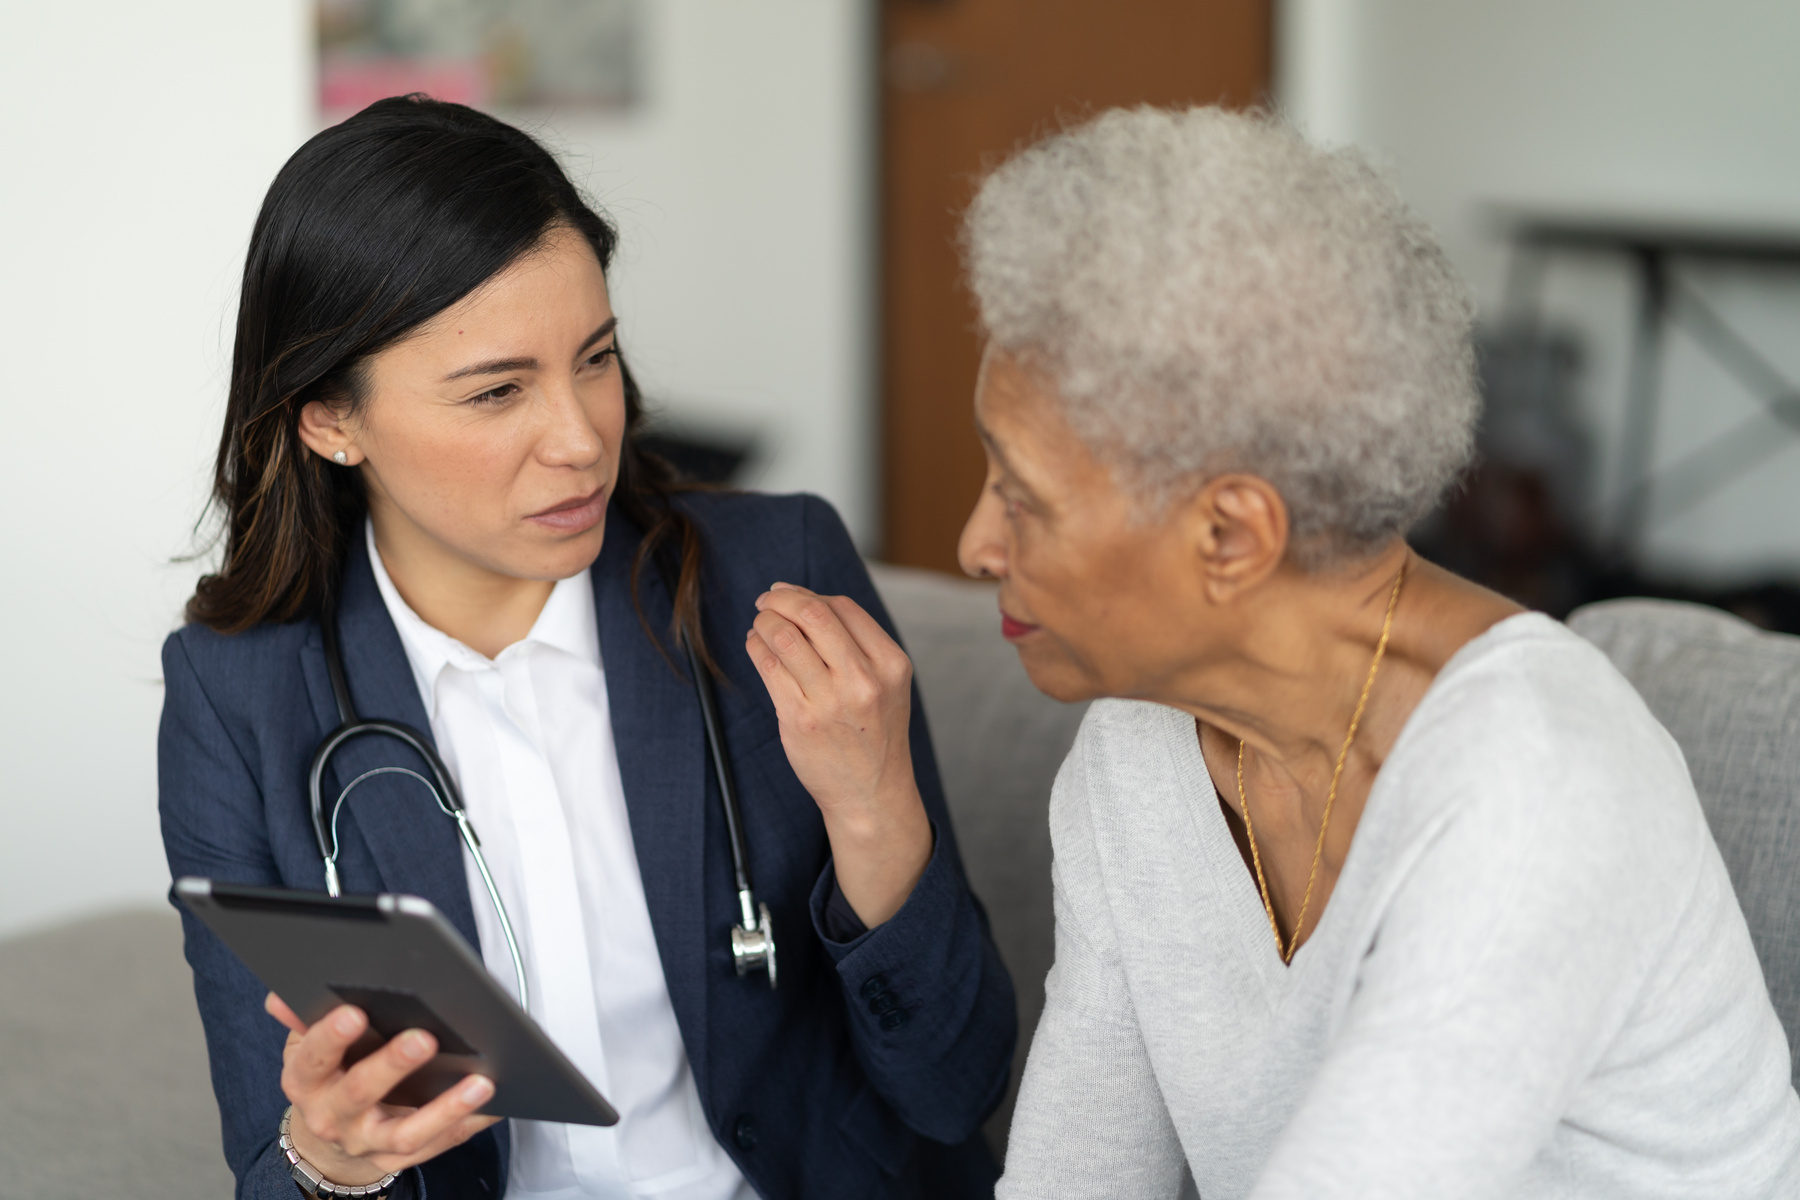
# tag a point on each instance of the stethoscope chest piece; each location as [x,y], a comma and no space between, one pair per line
[753,938]
[753,942]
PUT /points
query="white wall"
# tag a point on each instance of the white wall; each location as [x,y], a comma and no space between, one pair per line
[743,190]
[136,141]
[1650,106]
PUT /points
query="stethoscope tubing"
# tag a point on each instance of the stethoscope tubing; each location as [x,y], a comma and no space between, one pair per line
[444,791]
[464,826]
[752,942]
[734,820]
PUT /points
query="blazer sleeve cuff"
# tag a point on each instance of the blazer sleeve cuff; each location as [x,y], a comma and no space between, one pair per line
[837,922]
[886,971]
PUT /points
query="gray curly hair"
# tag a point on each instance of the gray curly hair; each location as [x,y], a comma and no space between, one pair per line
[1210,293]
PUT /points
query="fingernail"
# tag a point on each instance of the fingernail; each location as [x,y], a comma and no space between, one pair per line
[413,1046]
[477,1090]
[759,601]
[345,1022]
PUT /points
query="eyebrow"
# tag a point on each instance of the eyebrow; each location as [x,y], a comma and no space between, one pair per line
[993,447]
[500,366]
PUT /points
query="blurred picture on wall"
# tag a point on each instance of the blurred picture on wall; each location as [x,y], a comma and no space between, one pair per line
[485,53]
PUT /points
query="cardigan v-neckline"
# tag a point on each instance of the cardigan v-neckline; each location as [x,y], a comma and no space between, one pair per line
[1235,885]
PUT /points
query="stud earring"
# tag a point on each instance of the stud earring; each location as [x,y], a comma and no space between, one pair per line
[340,458]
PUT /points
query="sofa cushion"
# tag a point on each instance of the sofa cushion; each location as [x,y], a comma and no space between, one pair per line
[103,1087]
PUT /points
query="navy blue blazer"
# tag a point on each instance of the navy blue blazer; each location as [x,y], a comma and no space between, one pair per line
[808,1090]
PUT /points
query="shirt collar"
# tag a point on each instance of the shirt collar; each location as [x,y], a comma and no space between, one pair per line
[567,623]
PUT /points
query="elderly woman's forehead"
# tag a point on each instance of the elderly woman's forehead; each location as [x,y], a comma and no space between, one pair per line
[1008,391]
[1000,367]
[1022,420]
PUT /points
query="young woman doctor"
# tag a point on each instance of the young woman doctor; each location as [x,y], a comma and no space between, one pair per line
[430,433]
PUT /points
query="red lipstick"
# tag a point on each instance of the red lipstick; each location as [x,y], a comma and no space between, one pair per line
[575,515]
[1013,630]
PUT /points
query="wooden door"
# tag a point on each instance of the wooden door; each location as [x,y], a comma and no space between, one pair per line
[964,82]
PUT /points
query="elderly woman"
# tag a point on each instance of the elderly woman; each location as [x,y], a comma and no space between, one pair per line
[1368,882]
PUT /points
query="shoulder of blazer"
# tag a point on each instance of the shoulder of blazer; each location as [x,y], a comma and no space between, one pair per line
[731,515]
[764,533]
[225,658]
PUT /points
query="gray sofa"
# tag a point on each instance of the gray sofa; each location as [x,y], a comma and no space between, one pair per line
[103,1085]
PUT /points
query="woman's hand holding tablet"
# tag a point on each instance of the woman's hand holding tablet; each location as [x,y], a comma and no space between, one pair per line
[340,1125]
[397,1034]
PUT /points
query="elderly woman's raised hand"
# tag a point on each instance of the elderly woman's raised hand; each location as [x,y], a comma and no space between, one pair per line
[340,1125]
[842,690]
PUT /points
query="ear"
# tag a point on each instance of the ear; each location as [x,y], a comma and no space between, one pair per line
[323,431]
[1239,530]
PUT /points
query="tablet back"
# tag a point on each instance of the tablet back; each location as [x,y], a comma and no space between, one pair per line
[397,959]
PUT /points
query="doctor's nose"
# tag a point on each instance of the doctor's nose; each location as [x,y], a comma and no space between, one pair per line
[569,437]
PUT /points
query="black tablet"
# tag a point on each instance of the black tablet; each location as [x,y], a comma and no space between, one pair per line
[397,959]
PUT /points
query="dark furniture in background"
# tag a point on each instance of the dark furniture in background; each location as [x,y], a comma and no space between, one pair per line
[703,457]
[1517,524]
[1665,303]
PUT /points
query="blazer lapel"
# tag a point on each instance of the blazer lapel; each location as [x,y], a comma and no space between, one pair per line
[414,846]
[661,747]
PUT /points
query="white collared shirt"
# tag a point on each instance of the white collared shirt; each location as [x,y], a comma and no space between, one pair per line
[528,738]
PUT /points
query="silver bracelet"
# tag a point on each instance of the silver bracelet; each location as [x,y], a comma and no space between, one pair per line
[316,1185]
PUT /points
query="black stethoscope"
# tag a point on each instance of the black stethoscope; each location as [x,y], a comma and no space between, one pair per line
[752,940]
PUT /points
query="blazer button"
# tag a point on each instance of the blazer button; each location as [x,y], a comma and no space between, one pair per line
[873,986]
[894,1019]
[883,1003]
[743,1132]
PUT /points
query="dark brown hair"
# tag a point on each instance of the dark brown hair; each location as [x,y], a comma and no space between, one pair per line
[371,229]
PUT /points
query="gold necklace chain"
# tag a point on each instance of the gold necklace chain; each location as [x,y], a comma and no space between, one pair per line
[1287,950]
